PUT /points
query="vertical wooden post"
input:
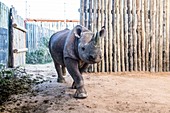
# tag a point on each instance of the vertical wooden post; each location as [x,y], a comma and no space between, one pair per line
[86,12]
[167,33]
[157,36]
[114,35]
[138,33]
[11,38]
[106,39]
[163,34]
[146,35]
[122,35]
[164,38]
[90,26]
[126,36]
[82,12]
[90,23]
[143,36]
[153,8]
[134,27]
[118,36]
[160,34]
[98,28]
[129,4]
[112,25]
[102,41]
[94,25]
[98,15]
[110,34]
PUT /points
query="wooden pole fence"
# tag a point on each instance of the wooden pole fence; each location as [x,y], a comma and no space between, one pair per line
[137,37]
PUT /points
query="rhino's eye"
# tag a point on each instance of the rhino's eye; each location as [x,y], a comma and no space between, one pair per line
[83,48]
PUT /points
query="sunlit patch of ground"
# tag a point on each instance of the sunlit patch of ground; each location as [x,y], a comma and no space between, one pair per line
[107,93]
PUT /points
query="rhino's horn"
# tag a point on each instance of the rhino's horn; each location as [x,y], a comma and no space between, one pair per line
[99,35]
[97,39]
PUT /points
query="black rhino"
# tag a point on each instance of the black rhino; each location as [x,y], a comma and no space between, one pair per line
[75,49]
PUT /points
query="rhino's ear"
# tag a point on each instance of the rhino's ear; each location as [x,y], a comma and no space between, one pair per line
[102,32]
[78,31]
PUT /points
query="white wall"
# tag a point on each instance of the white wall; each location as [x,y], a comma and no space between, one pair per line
[18,4]
[46,9]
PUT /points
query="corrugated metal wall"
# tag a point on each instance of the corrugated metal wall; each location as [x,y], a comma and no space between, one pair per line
[4,15]
[34,33]
[38,30]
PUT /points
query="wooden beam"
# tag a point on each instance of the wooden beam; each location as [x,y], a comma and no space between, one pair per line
[19,27]
[11,38]
[20,50]
[47,20]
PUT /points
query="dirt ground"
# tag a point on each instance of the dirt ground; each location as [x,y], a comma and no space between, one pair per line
[107,93]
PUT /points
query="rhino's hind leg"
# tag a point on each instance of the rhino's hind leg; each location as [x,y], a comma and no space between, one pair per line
[64,70]
[60,78]
[72,67]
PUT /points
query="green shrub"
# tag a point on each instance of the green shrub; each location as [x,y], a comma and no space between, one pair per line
[13,81]
[40,55]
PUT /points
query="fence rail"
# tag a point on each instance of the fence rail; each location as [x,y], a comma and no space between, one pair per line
[137,36]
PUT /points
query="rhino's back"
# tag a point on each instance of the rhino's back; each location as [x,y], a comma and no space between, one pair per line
[56,45]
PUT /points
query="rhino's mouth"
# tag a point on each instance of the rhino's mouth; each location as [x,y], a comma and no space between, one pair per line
[92,61]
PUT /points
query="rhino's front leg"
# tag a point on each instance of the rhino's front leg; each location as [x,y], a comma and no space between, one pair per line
[59,72]
[82,69]
[73,69]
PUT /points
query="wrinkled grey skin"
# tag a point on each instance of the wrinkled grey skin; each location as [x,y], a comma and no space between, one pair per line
[75,49]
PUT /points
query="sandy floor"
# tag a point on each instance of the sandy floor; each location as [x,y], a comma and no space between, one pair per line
[107,93]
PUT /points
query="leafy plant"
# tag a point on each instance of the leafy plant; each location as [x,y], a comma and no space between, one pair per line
[41,55]
[15,81]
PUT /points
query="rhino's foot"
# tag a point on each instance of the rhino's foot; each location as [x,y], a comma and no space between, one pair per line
[80,93]
[61,80]
[73,86]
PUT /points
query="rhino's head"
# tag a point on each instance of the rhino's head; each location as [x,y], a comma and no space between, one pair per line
[88,45]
